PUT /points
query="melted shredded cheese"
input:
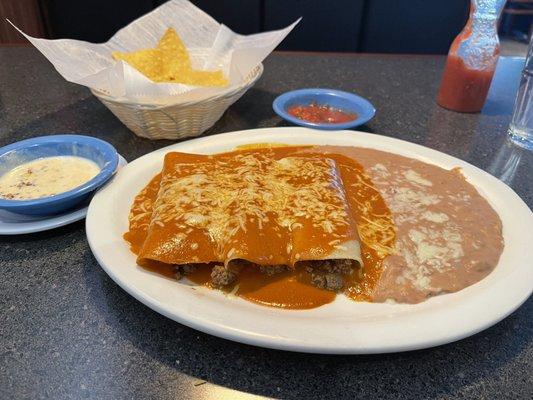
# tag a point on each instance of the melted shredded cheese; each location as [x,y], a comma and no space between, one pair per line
[141,211]
[375,230]
[222,198]
[426,249]
[416,178]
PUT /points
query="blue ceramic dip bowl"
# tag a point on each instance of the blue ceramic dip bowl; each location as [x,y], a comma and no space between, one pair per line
[347,102]
[96,150]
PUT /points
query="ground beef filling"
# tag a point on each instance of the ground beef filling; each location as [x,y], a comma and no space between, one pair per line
[327,274]
[330,274]
[182,270]
[224,275]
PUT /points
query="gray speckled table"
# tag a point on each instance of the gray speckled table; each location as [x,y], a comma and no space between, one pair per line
[68,331]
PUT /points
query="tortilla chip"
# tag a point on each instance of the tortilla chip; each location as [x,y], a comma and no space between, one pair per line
[173,49]
[200,78]
[148,62]
[170,62]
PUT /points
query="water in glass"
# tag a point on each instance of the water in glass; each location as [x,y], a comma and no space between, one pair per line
[521,127]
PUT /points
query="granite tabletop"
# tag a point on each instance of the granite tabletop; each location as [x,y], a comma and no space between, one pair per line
[68,331]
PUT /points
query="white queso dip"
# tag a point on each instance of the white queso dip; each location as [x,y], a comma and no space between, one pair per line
[46,177]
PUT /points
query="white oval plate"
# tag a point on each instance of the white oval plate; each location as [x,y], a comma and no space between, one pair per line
[18,224]
[343,326]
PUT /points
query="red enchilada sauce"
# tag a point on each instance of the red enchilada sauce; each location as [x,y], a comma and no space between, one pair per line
[321,114]
[293,289]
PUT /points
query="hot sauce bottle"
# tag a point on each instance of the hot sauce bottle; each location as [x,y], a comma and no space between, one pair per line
[472,59]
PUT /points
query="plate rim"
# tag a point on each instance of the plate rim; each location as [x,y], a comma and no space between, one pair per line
[226,332]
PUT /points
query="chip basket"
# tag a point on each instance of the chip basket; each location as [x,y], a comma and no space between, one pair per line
[177,121]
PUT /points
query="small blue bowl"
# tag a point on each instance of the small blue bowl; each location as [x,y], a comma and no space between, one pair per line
[344,101]
[13,155]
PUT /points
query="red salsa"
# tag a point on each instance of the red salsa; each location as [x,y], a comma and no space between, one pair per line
[323,114]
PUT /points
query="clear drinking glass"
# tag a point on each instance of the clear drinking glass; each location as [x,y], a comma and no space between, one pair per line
[521,127]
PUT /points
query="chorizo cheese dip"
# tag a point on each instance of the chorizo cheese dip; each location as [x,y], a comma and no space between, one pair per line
[46,177]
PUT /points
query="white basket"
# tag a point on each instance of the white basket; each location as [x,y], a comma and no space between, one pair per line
[177,121]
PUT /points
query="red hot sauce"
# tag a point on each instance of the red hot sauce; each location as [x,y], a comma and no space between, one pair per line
[472,59]
[463,89]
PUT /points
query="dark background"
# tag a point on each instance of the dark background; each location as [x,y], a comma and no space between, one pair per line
[371,26]
[383,26]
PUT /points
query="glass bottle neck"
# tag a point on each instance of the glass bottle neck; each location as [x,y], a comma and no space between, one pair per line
[486,9]
[483,23]
[478,43]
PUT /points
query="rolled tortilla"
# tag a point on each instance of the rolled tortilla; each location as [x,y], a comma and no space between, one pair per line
[266,206]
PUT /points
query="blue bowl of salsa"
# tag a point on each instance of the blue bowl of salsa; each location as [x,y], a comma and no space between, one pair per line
[327,109]
[98,153]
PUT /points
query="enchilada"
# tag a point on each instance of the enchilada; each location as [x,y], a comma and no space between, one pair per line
[266,207]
